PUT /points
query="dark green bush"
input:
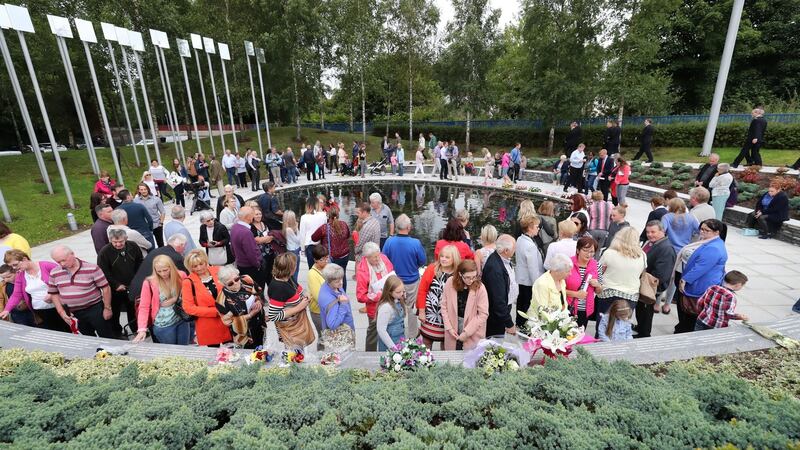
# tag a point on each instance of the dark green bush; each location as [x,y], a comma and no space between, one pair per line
[677,185]
[668,173]
[748,187]
[684,169]
[779,136]
[634,175]
[580,404]
[657,165]
[654,171]
[684,176]
[647,178]
[745,196]
[794,202]
[663,180]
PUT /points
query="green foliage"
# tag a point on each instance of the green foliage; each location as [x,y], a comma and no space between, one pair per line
[634,175]
[668,173]
[683,169]
[543,407]
[647,178]
[663,180]
[748,187]
[683,176]
[745,196]
[678,165]
[654,171]
[794,202]
[657,165]
[677,185]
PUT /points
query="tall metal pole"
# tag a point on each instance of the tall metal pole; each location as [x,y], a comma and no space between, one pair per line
[216,99]
[179,144]
[45,117]
[103,112]
[153,129]
[76,98]
[223,55]
[183,52]
[205,103]
[124,103]
[6,214]
[250,51]
[722,77]
[166,102]
[26,117]
[135,101]
[259,58]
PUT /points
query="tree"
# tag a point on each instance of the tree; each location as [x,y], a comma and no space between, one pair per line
[472,49]
[564,57]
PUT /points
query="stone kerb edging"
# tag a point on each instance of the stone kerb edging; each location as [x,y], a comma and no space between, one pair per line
[735,216]
[734,339]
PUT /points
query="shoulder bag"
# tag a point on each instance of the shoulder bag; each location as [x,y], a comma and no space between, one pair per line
[647,288]
[296,331]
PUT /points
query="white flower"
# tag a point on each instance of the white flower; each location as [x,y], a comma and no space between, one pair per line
[512,365]
[423,359]
[397,358]
[397,367]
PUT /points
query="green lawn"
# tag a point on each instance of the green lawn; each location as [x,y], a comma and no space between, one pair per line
[41,217]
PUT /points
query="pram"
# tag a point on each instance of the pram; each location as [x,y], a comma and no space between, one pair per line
[201,196]
[379,167]
[346,168]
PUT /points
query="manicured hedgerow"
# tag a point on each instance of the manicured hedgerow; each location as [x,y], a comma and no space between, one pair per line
[576,404]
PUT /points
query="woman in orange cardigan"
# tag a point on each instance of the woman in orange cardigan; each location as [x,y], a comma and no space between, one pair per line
[429,295]
[160,293]
[465,308]
[200,291]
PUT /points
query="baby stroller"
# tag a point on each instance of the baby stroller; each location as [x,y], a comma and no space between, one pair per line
[202,198]
[379,167]
[346,168]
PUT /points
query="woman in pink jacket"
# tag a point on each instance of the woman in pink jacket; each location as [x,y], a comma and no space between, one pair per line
[160,293]
[584,281]
[465,308]
[30,293]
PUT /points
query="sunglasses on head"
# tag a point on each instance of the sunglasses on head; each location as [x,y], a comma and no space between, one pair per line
[233,281]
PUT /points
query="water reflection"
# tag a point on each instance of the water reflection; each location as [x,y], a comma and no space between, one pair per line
[433,205]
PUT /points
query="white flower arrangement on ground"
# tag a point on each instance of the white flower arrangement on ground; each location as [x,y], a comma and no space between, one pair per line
[407,355]
[495,357]
[554,331]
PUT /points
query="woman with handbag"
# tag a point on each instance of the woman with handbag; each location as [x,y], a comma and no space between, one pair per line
[465,308]
[287,305]
[199,292]
[583,282]
[160,306]
[241,306]
[621,266]
[335,236]
[215,238]
[338,327]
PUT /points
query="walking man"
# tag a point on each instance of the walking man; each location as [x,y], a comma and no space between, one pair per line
[229,163]
[516,158]
[646,141]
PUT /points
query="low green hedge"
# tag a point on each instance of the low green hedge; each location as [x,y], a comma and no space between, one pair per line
[576,404]
[779,136]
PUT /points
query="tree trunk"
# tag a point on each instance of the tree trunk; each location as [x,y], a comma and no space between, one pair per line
[388,114]
[469,122]
[296,102]
[351,117]
[410,105]
[16,126]
[550,138]
[363,108]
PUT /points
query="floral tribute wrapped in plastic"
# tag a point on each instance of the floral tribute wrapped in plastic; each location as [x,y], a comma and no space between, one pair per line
[495,357]
[407,355]
[554,332]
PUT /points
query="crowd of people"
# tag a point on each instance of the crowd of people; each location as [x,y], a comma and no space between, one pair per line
[242,272]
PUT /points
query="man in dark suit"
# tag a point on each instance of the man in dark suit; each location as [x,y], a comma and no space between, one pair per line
[751,150]
[612,137]
[496,278]
[660,264]
[707,171]
[574,137]
[605,164]
[646,141]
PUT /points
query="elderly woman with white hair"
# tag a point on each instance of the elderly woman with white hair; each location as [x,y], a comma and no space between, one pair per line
[371,274]
[720,187]
[215,238]
[550,289]
[338,327]
[241,307]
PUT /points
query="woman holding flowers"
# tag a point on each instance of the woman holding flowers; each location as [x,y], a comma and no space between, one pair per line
[465,308]
[429,296]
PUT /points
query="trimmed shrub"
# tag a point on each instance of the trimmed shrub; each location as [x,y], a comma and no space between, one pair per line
[678,165]
[555,406]
[634,175]
[747,187]
[663,180]
[794,203]
[647,178]
[654,171]
[657,165]
[683,169]
[677,185]
[745,196]
[668,173]
[684,176]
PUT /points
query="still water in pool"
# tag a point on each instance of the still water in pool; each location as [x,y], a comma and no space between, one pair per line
[428,205]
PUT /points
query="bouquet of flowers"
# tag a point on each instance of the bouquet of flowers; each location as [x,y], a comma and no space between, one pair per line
[330,359]
[494,357]
[292,356]
[407,355]
[260,355]
[553,331]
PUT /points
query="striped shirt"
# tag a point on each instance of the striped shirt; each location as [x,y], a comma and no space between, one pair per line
[282,295]
[600,215]
[80,289]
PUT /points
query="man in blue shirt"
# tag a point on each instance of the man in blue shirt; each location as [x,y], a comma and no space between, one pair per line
[407,256]
[138,217]
[516,158]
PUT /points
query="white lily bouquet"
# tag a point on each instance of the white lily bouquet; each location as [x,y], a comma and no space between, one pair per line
[495,357]
[407,355]
[553,331]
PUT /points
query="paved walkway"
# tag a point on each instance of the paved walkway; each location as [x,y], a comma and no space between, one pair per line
[772,266]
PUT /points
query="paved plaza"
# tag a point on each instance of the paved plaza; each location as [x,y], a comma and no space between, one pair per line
[772,266]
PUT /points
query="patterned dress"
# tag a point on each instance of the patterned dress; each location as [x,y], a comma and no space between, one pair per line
[433,328]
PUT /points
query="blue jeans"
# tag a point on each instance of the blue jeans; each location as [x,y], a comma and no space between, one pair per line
[177,334]
[231,171]
[400,169]
[342,262]
[590,183]
[291,175]
[297,266]
[309,256]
